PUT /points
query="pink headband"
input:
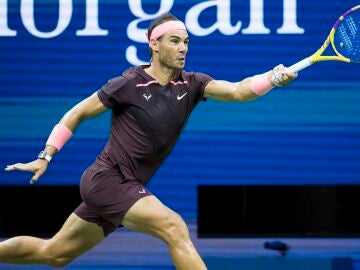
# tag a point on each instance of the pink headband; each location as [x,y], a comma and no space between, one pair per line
[165,27]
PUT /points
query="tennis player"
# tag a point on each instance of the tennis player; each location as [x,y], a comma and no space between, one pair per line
[150,106]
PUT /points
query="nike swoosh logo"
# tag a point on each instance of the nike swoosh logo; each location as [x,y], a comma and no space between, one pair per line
[180,97]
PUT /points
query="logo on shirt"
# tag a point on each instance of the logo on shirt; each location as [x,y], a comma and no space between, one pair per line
[180,97]
[147,96]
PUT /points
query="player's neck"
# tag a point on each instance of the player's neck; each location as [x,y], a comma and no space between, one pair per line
[160,73]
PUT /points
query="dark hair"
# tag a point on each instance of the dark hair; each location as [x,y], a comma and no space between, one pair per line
[165,17]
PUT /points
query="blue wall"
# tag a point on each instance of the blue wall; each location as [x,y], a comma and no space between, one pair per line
[306,133]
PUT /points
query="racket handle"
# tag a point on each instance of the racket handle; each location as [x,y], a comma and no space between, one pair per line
[300,65]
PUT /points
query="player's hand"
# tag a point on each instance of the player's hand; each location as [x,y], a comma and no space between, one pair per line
[37,167]
[281,77]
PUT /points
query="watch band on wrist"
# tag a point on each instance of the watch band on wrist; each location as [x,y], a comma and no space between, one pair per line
[44,155]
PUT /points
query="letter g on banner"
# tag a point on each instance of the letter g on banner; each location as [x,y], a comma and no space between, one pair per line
[27,14]
[223,22]
[137,34]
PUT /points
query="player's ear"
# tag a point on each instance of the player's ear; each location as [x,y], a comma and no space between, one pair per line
[154,45]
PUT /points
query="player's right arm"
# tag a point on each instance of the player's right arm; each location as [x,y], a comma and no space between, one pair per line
[85,109]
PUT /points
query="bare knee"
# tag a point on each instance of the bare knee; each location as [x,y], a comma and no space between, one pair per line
[59,262]
[54,256]
[175,231]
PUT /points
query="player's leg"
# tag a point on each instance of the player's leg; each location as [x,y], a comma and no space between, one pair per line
[150,216]
[74,238]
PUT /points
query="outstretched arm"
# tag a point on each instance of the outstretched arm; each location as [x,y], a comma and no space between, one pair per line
[250,88]
[87,108]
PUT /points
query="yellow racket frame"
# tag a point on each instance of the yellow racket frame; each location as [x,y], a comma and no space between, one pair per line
[317,56]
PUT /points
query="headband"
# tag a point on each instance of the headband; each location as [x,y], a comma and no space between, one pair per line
[165,27]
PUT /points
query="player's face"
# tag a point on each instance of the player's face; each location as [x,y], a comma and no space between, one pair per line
[173,47]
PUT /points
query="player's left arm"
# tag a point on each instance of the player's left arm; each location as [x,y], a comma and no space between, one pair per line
[249,88]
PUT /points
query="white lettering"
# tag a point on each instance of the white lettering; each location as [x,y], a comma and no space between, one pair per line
[256,24]
[4,28]
[132,58]
[134,32]
[137,34]
[223,23]
[92,27]
[27,16]
[289,14]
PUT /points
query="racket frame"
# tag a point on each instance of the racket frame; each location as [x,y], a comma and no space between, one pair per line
[317,56]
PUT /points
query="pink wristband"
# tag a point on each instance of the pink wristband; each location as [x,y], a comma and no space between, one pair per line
[59,136]
[260,84]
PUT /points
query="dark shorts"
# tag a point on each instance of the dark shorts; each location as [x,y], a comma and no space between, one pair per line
[107,196]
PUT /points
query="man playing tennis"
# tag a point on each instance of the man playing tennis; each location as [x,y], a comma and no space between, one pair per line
[150,106]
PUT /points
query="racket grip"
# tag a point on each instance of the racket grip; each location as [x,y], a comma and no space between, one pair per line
[300,65]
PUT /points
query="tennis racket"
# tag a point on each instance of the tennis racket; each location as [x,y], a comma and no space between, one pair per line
[345,41]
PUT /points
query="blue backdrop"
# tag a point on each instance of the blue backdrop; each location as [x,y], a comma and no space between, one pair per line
[55,53]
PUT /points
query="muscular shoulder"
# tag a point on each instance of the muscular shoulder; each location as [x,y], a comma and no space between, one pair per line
[196,82]
[130,74]
[125,80]
[196,77]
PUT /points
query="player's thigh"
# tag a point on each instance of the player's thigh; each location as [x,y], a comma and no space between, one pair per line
[151,216]
[75,237]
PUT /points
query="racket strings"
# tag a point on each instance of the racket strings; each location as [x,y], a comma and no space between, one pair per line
[356,41]
[349,35]
[352,26]
[345,39]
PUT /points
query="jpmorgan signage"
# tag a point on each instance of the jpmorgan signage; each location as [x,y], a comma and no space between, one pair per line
[92,27]
[54,53]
